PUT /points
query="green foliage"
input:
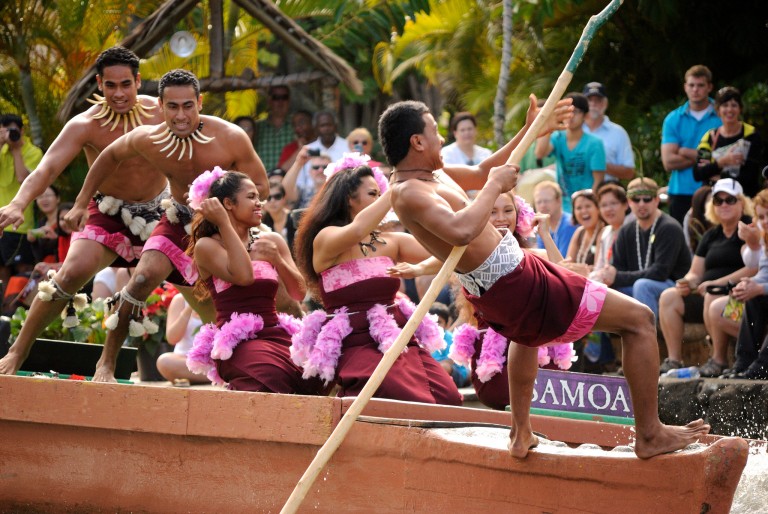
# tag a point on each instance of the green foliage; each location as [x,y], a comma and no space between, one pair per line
[90,330]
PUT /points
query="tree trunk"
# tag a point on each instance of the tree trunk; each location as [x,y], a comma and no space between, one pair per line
[499,103]
[30,107]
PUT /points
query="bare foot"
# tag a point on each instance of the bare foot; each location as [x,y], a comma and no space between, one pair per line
[520,441]
[103,374]
[10,364]
[669,438]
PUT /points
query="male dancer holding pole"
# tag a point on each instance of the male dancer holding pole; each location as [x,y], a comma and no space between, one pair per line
[526,299]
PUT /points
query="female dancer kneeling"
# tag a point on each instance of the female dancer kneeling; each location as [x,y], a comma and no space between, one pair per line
[239,267]
[343,256]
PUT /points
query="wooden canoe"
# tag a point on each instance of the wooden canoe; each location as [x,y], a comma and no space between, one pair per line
[72,446]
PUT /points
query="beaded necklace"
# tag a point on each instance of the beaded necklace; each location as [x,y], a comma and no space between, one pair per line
[583,253]
[651,239]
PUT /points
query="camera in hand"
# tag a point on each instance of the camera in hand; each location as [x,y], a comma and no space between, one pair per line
[14,134]
[314,152]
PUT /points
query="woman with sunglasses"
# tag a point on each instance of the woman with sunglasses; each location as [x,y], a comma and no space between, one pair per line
[583,248]
[360,140]
[717,262]
[733,150]
[345,260]
[276,215]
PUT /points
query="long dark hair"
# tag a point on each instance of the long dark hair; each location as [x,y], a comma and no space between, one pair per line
[698,222]
[329,207]
[227,186]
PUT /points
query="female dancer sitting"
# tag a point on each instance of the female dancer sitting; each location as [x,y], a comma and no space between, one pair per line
[239,267]
[345,258]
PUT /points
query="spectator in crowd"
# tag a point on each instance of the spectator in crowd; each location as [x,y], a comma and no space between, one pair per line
[109,281]
[298,194]
[305,134]
[63,237]
[583,247]
[459,374]
[619,159]
[580,156]
[680,136]
[275,176]
[328,142]
[18,157]
[695,223]
[276,213]
[650,252]
[274,131]
[248,124]
[732,150]
[751,345]
[181,326]
[360,140]
[547,200]
[464,150]
[44,237]
[717,262]
[612,202]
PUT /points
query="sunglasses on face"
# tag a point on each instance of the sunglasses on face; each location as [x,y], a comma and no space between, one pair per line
[360,143]
[278,98]
[276,197]
[641,199]
[318,166]
[719,200]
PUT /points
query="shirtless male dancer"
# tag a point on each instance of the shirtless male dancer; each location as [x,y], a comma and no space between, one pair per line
[181,149]
[526,299]
[137,188]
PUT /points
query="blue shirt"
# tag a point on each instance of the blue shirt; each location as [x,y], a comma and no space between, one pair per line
[618,147]
[459,374]
[685,131]
[575,167]
[562,235]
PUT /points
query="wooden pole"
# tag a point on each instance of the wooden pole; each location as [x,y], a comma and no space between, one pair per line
[345,424]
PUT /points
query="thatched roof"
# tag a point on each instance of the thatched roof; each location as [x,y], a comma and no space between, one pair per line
[161,23]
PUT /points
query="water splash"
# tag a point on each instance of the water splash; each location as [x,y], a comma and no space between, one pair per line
[752,492]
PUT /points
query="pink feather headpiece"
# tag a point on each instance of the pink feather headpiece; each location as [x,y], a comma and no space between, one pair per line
[201,186]
[352,160]
[525,217]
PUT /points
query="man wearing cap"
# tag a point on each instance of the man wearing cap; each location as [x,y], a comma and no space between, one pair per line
[650,252]
[619,160]
[680,136]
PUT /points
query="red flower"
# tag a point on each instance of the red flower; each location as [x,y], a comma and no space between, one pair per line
[76,377]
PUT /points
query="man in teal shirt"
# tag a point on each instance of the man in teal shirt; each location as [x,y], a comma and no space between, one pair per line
[680,135]
[18,157]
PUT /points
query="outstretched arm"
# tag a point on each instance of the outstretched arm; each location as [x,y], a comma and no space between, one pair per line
[473,177]
[289,180]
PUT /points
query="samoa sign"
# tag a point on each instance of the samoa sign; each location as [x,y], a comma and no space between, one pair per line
[583,393]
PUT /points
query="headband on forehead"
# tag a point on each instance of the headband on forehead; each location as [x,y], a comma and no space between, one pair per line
[352,160]
[201,186]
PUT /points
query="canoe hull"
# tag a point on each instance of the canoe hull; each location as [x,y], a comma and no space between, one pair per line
[89,447]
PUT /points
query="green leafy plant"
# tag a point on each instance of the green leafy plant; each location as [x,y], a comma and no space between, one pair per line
[90,330]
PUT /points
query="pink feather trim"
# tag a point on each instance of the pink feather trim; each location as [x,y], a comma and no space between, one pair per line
[543,356]
[199,357]
[382,327]
[563,355]
[303,340]
[325,353]
[240,327]
[492,356]
[463,347]
[429,333]
[288,323]
[201,186]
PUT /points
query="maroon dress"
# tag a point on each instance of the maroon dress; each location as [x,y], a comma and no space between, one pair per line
[262,364]
[415,376]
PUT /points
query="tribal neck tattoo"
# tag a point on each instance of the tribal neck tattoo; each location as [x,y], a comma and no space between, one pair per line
[132,117]
[175,141]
